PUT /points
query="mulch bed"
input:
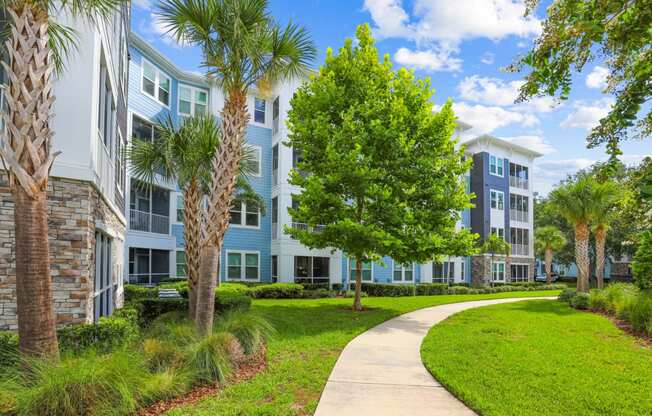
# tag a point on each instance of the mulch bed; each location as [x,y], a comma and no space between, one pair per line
[245,371]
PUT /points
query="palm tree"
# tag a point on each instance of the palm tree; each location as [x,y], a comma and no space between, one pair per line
[243,47]
[36,46]
[547,240]
[574,201]
[605,197]
[495,245]
[185,153]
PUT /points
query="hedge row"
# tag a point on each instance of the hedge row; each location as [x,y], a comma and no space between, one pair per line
[427,289]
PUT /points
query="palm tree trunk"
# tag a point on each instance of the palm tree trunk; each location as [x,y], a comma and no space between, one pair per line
[600,240]
[209,263]
[548,259]
[192,237]
[25,151]
[226,165]
[357,303]
[582,256]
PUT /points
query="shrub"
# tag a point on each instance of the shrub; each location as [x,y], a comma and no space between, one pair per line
[351,294]
[134,293]
[109,333]
[640,312]
[210,358]
[580,301]
[8,348]
[432,289]
[251,330]
[567,294]
[642,262]
[161,354]
[380,289]
[459,290]
[598,301]
[227,300]
[318,293]
[150,309]
[277,291]
[316,286]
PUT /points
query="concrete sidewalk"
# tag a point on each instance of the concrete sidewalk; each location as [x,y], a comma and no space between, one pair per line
[380,371]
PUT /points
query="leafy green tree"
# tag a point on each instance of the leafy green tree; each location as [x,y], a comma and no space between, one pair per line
[36,47]
[642,264]
[379,172]
[243,48]
[548,239]
[494,245]
[184,153]
[578,32]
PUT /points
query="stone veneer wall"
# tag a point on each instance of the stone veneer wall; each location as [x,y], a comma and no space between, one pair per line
[76,212]
[481,268]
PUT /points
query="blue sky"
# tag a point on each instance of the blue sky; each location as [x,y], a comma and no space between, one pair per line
[462,46]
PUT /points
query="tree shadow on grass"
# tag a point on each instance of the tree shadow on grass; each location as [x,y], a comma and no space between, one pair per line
[544,307]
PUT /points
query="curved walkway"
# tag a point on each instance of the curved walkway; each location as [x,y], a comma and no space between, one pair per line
[380,372]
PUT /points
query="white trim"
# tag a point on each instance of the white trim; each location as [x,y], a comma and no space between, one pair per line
[176,264]
[253,119]
[351,277]
[414,277]
[157,82]
[527,277]
[193,90]
[497,199]
[502,161]
[243,219]
[504,271]
[259,150]
[243,265]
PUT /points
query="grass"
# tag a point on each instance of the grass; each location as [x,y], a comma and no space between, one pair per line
[540,358]
[310,336]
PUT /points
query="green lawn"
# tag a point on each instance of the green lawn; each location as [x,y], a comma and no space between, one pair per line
[311,334]
[540,358]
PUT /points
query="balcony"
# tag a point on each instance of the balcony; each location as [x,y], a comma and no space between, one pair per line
[306,227]
[520,250]
[148,222]
[517,182]
[518,215]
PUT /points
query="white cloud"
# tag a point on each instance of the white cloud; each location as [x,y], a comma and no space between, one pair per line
[494,91]
[485,119]
[488,58]
[154,29]
[536,143]
[428,60]
[522,44]
[390,18]
[143,4]
[585,115]
[548,173]
[597,78]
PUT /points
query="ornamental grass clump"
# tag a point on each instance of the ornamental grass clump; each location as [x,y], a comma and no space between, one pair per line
[252,331]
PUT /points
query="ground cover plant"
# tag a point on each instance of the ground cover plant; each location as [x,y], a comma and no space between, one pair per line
[311,333]
[540,357]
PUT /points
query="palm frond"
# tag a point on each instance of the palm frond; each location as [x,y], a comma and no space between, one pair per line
[63,43]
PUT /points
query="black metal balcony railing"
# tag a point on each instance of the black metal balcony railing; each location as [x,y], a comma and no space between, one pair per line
[148,222]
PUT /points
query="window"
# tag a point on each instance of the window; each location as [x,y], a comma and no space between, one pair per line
[518,176]
[496,165]
[403,272]
[498,271]
[179,208]
[252,160]
[259,110]
[242,266]
[518,208]
[192,101]
[366,271]
[274,269]
[181,264]
[498,231]
[497,199]
[275,114]
[120,165]
[142,129]
[275,165]
[311,269]
[107,120]
[519,272]
[244,216]
[102,283]
[156,84]
[520,241]
[463,271]
[275,218]
[443,272]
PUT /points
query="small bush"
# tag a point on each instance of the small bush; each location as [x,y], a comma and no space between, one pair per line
[210,358]
[431,289]
[228,300]
[640,313]
[316,286]
[318,294]
[459,290]
[351,294]
[251,331]
[277,291]
[381,289]
[619,297]
[8,348]
[642,262]
[567,294]
[161,355]
[598,301]
[150,309]
[109,333]
[580,301]
[134,293]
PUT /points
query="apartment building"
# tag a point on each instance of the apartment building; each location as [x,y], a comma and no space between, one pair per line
[256,249]
[86,191]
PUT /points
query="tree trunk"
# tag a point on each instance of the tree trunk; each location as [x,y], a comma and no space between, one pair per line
[209,263]
[226,165]
[25,151]
[600,240]
[548,259]
[357,303]
[582,256]
[36,319]
[192,237]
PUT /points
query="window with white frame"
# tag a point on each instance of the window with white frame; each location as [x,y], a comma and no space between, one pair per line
[403,272]
[192,101]
[142,129]
[497,199]
[107,120]
[155,83]
[252,160]
[182,271]
[180,212]
[242,265]
[309,269]
[366,271]
[498,271]
[443,272]
[496,165]
[498,231]
[103,287]
[274,269]
[259,110]
[519,272]
[244,216]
